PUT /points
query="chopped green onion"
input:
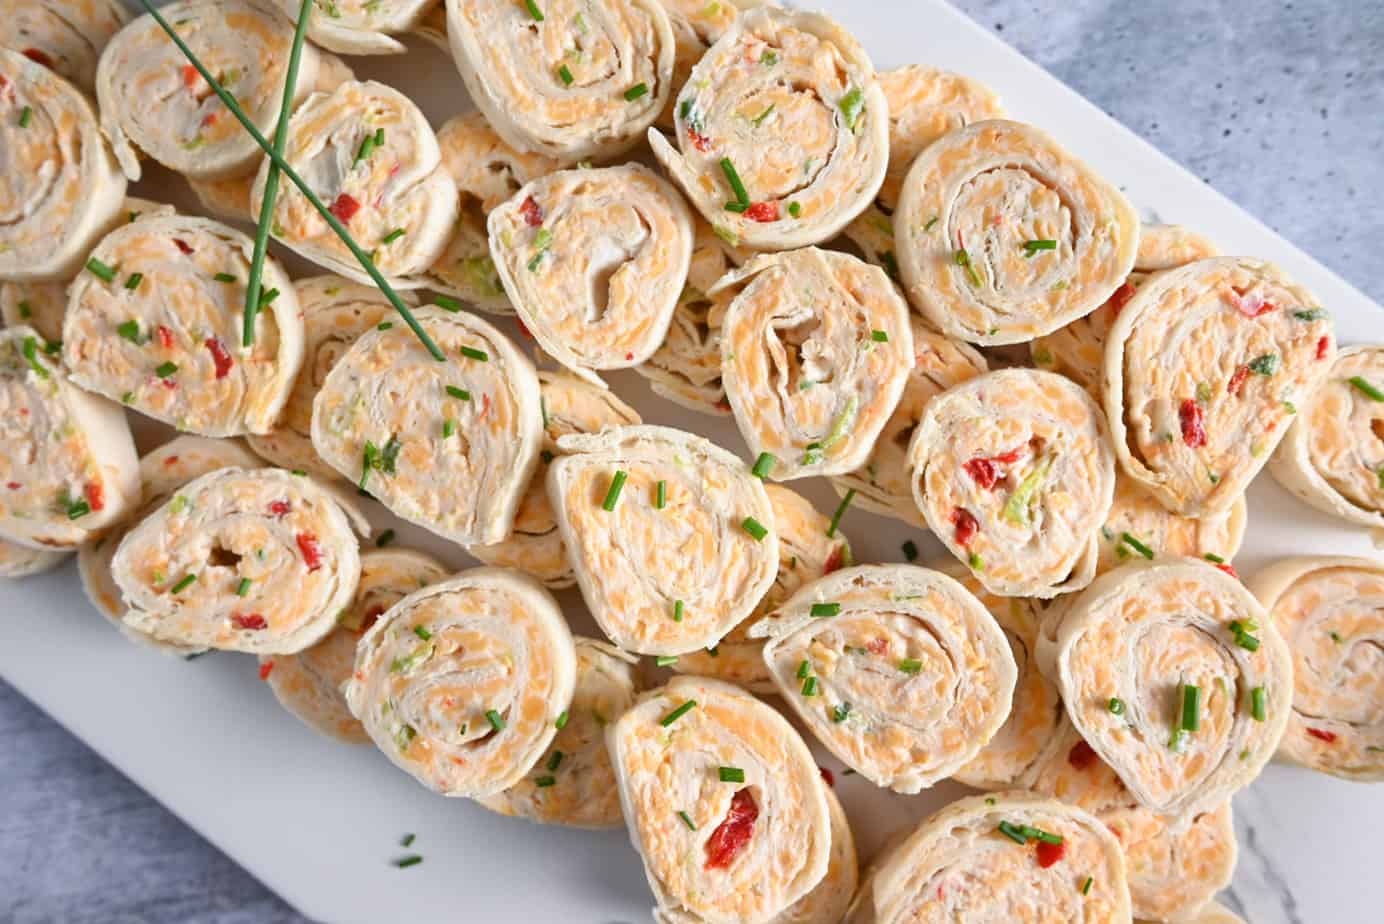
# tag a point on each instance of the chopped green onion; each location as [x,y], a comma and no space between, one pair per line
[473,353]
[385,539]
[101,270]
[840,712]
[1311,314]
[794,209]
[1016,508]
[731,774]
[26,116]
[1013,833]
[561,721]
[687,820]
[1086,886]
[931,222]
[852,107]
[1136,545]
[133,281]
[737,207]
[763,465]
[824,609]
[733,178]
[1264,365]
[243,587]
[447,302]
[1038,834]
[385,325]
[392,236]
[661,495]
[25,311]
[543,782]
[804,669]
[1363,386]
[1214,558]
[910,550]
[636,91]
[976,562]
[166,369]
[840,512]
[565,74]
[412,859]
[1241,630]
[678,713]
[460,394]
[555,761]
[1191,707]
[496,721]
[613,494]
[910,665]
[389,457]
[963,260]
[449,428]
[129,330]
[370,459]
[754,528]
[406,840]
[267,298]
[763,115]
[221,277]
[1116,706]
[879,336]
[1256,704]
[769,58]
[666,660]
[810,686]
[184,583]
[1033,247]
[423,633]
[677,610]
[78,510]
[534,11]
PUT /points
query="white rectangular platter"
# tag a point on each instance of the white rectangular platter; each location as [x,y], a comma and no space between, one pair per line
[319,822]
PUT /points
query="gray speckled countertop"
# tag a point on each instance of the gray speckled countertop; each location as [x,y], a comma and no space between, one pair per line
[1278,105]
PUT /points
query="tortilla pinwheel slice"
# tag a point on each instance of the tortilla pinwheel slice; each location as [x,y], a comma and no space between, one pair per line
[361,27]
[19,561]
[817,349]
[309,684]
[162,472]
[570,405]
[696,26]
[594,261]
[808,549]
[1332,457]
[432,28]
[1003,236]
[182,571]
[369,153]
[335,312]
[450,446]
[1330,611]
[1214,913]
[898,670]
[672,539]
[564,79]
[1177,679]
[65,36]
[487,171]
[1011,856]
[156,322]
[1077,350]
[1205,368]
[781,130]
[829,899]
[1014,473]
[724,803]
[1176,865]
[574,783]
[882,484]
[69,469]
[463,684]
[62,186]
[1138,525]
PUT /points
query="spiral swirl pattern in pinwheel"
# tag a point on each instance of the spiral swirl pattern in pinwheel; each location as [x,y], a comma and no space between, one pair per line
[1332,456]
[69,466]
[817,351]
[182,570]
[593,261]
[360,27]
[782,131]
[672,539]
[65,36]
[898,670]
[1003,236]
[696,26]
[1198,400]
[1330,611]
[61,186]
[450,446]
[1013,471]
[574,784]
[1138,525]
[723,802]
[155,322]
[1202,678]
[570,79]
[470,703]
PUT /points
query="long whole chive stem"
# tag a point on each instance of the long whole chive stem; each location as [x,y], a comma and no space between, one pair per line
[613,494]
[277,159]
[824,609]
[733,178]
[1256,704]
[764,465]
[1136,545]
[730,774]
[661,496]
[678,713]
[1191,707]
[271,182]
[840,512]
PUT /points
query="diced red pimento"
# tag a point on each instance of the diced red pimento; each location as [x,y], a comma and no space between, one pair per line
[835,560]
[38,57]
[1322,735]
[878,646]
[533,214]
[312,551]
[1323,345]
[344,207]
[1193,424]
[95,495]
[986,470]
[253,621]
[14,485]
[1228,568]
[165,337]
[1237,380]
[183,246]
[966,526]
[220,357]
[1082,756]
[1119,298]
[190,76]
[1050,854]
[699,141]
[280,508]
[733,833]
[265,669]
[763,212]
[828,776]
[209,120]
[1251,306]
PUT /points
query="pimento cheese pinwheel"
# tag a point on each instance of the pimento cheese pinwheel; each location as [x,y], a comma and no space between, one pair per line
[257,560]
[154,102]
[925,103]
[309,684]
[782,131]
[162,472]
[1003,236]
[593,261]
[464,684]
[570,405]
[671,537]
[1204,369]
[1176,677]
[1138,525]
[1332,457]
[65,36]
[486,171]
[368,152]
[335,312]
[450,446]
[566,79]
[1330,610]
[1012,856]
[360,27]
[574,783]
[724,803]
[1014,473]
[62,187]
[156,322]
[829,899]
[898,670]
[1175,864]
[69,466]
[817,349]
[809,548]
[1077,350]
[882,482]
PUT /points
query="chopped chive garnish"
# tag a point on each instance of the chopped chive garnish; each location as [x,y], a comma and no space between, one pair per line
[1086,886]
[840,512]
[166,369]
[754,528]
[534,11]
[392,236]
[221,277]
[661,495]
[370,458]
[910,665]
[422,632]
[385,539]
[543,782]
[963,260]
[243,587]
[733,178]
[879,336]
[565,74]
[1363,386]
[976,562]
[555,761]
[678,713]
[1241,630]
[473,353]
[677,610]
[1136,545]
[446,302]
[731,774]
[763,465]
[1213,558]
[1264,365]
[1311,314]
[561,721]
[737,206]
[78,510]
[449,428]
[129,330]
[852,107]
[1256,703]
[367,147]
[460,394]
[824,609]
[810,686]
[1033,247]
[1116,706]
[762,116]
[184,583]
[406,840]
[412,859]
[101,270]
[839,713]
[931,222]
[1191,707]
[636,91]
[133,281]
[389,457]
[794,209]
[385,325]
[1038,834]
[496,721]
[804,669]
[687,820]
[1013,833]
[26,116]
[910,550]
[25,311]
[666,660]
[613,494]
[267,298]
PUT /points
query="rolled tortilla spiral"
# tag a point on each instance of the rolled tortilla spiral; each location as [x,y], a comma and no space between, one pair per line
[470,703]
[62,186]
[696,26]
[723,801]
[1003,236]
[817,349]
[156,321]
[829,899]
[66,36]
[1138,523]
[182,570]
[360,27]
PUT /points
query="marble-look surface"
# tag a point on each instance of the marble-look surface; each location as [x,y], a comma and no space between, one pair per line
[1276,104]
